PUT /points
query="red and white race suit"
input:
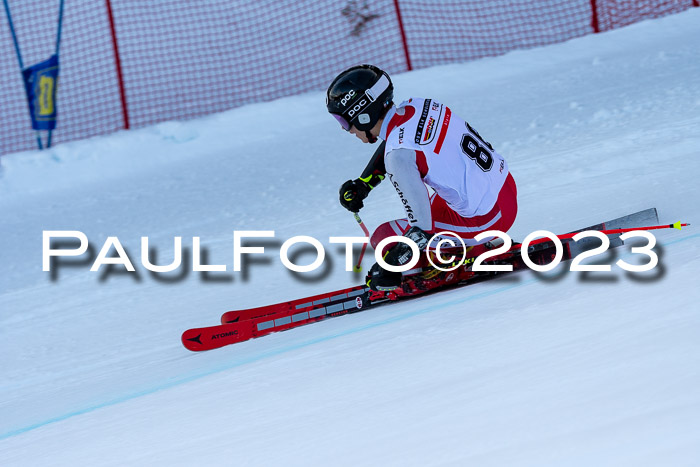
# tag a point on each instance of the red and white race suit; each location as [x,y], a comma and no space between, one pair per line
[426,144]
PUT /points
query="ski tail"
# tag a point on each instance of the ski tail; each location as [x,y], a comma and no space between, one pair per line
[307,304]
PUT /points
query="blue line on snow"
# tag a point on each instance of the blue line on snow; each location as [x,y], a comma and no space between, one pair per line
[283,350]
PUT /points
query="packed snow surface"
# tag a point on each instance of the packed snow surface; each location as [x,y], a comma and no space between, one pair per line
[544,370]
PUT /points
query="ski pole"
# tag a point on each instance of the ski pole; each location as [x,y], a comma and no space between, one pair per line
[675,225]
[358,266]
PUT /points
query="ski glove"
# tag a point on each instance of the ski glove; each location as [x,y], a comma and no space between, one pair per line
[398,255]
[401,253]
[353,192]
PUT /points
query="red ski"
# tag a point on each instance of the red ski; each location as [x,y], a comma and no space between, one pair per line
[241,325]
[289,307]
[245,324]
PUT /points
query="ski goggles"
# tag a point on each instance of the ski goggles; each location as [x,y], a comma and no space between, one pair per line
[343,123]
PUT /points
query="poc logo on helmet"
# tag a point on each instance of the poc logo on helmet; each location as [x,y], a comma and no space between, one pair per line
[357,107]
[347,97]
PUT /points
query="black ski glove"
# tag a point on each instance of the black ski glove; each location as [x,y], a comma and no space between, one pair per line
[398,255]
[353,192]
[401,253]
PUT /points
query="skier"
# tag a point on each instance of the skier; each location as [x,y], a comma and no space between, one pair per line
[424,143]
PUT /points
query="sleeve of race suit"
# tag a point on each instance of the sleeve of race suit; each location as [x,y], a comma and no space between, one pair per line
[375,167]
[405,177]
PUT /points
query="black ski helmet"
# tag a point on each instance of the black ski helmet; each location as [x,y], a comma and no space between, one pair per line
[360,96]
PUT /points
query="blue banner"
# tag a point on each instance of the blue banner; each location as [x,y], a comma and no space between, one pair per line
[40,82]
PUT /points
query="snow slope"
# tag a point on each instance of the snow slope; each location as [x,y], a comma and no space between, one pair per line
[566,369]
